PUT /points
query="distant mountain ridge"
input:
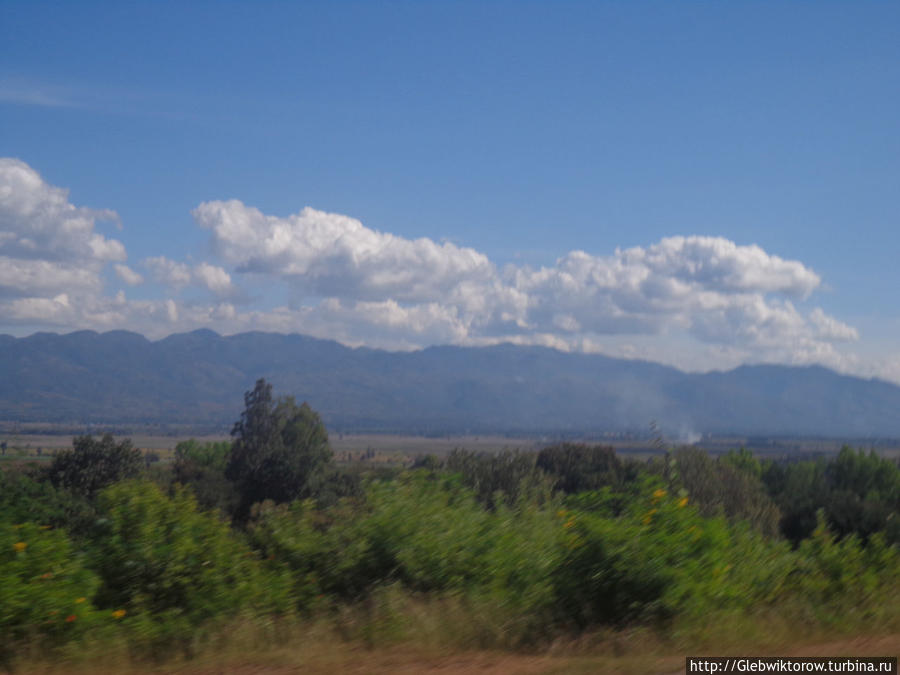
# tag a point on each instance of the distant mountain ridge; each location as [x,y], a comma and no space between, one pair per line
[199,378]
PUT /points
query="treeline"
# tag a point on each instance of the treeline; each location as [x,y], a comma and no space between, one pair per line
[504,550]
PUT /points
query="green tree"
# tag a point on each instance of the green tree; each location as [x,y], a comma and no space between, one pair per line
[576,467]
[280,450]
[92,465]
[201,467]
[864,495]
[720,487]
[509,475]
[212,454]
[799,489]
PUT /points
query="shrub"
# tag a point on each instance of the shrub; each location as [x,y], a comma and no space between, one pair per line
[165,563]
[24,498]
[45,591]
[659,559]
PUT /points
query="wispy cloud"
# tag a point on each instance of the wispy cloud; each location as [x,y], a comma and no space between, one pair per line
[36,94]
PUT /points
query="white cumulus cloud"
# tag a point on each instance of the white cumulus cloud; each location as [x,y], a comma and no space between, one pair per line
[717,301]
[50,254]
[337,256]
[38,222]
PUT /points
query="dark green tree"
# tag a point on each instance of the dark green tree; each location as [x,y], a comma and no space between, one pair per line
[509,474]
[799,489]
[864,494]
[576,467]
[92,464]
[719,486]
[280,450]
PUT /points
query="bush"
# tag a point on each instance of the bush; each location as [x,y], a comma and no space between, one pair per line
[173,568]
[660,559]
[45,591]
[427,534]
[25,498]
[835,579]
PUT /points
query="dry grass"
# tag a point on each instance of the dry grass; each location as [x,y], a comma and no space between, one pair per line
[443,638]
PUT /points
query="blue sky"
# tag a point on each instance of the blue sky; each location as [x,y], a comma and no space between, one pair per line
[704,184]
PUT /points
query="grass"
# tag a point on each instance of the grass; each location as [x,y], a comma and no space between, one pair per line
[403,633]
[249,649]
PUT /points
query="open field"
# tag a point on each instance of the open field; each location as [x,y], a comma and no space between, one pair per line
[400,449]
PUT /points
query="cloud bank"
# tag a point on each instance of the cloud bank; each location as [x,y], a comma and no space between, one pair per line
[730,303]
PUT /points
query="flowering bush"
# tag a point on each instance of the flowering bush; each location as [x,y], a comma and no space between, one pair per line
[45,590]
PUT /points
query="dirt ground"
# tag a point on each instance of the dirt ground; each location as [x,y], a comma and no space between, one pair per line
[403,661]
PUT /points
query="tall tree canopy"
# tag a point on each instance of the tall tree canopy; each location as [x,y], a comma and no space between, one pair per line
[280,449]
[93,464]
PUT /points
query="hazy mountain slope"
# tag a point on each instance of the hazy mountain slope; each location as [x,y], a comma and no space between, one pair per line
[200,377]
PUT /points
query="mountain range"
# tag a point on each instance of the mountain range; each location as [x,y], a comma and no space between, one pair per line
[199,378]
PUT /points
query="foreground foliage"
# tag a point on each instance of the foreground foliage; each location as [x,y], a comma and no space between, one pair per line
[511,550]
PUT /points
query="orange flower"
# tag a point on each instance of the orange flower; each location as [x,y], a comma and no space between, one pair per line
[682,502]
[119,613]
[659,494]
[71,618]
[20,546]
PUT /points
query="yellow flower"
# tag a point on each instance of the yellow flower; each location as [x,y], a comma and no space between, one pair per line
[78,601]
[649,516]
[682,502]
[20,546]
[659,494]
[119,613]
[569,523]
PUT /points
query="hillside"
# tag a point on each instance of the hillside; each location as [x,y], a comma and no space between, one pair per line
[198,378]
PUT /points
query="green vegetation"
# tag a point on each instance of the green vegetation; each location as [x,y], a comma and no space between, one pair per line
[92,465]
[280,450]
[511,550]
